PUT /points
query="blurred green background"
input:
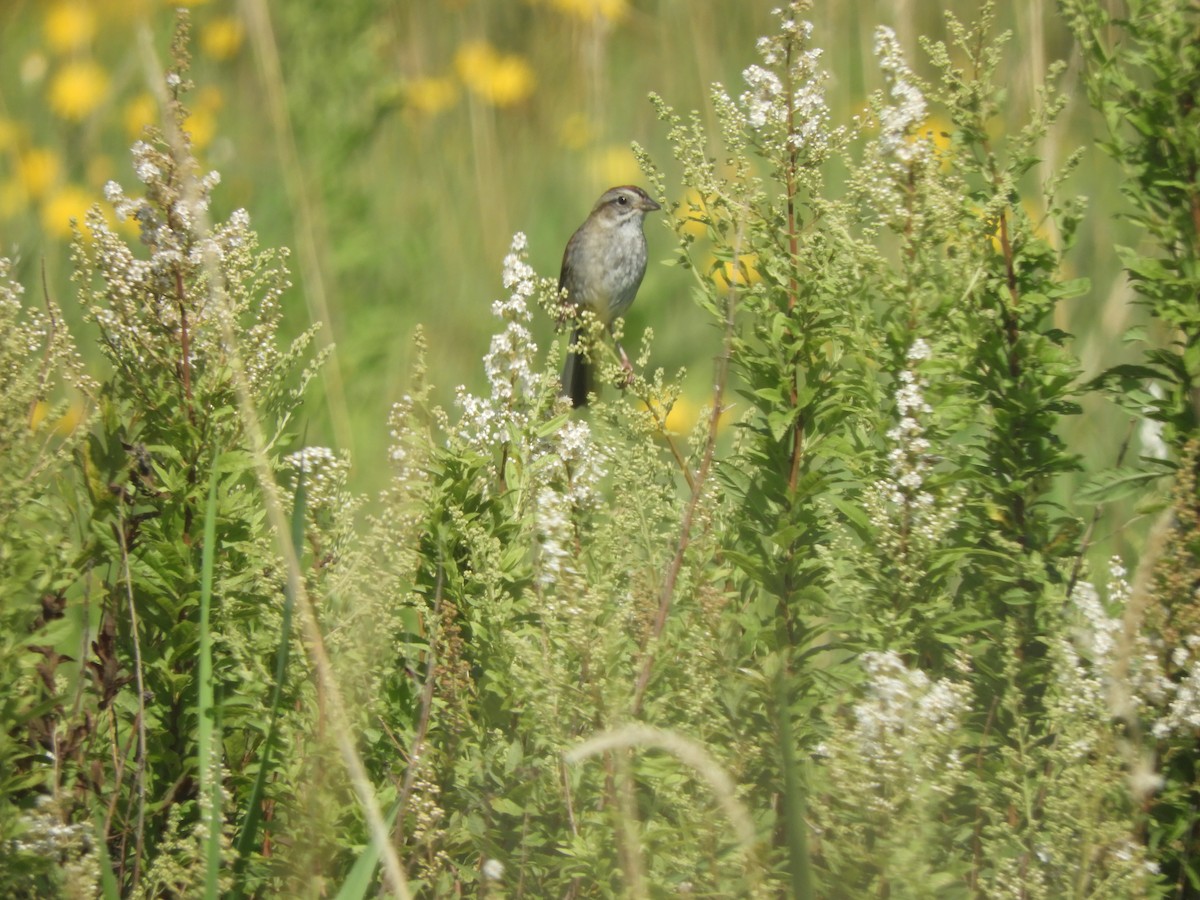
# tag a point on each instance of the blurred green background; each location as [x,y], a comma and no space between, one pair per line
[396,146]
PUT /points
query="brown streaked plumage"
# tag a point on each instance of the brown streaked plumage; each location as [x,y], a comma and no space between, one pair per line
[602,267]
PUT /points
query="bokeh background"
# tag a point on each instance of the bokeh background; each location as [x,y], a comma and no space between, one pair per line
[396,145]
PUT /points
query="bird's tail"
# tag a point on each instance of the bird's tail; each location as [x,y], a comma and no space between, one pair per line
[576,375]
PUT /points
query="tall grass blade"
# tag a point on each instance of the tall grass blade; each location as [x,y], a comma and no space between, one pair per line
[362,873]
[249,830]
[210,785]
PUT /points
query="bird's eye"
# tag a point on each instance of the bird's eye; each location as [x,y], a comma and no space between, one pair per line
[623,200]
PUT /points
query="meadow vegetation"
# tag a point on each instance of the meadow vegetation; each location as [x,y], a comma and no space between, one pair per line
[892,593]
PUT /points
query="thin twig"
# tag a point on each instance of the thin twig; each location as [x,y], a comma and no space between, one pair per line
[44,368]
[697,489]
[660,422]
[141,704]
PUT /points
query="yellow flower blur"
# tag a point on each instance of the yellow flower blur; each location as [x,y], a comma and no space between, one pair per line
[692,210]
[743,274]
[37,171]
[77,89]
[614,164]
[201,124]
[69,202]
[221,38]
[591,10]
[141,111]
[69,26]
[499,79]
[68,422]
[576,132]
[431,95]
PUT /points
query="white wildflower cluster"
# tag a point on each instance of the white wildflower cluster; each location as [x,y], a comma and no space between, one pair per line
[146,303]
[570,467]
[1139,676]
[1182,716]
[27,331]
[906,111]
[910,520]
[71,846]
[571,447]
[1098,634]
[1168,677]
[492,870]
[398,421]
[785,101]
[1082,663]
[325,475]
[908,460]
[554,534]
[167,215]
[509,363]
[519,278]
[904,732]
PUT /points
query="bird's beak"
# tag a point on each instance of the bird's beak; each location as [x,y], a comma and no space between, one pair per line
[649,205]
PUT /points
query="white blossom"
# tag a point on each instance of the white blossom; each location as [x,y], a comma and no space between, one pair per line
[907,109]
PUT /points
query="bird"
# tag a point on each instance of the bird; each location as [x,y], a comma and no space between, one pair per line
[602,269]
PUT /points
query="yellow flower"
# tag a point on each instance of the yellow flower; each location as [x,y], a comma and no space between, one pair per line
[473,60]
[202,126]
[745,273]
[71,419]
[613,164]
[591,10]
[431,95]
[78,89]
[512,82]
[576,132]
[37,415]
[37,171]
[141,111]
[221,38]
[201,123]
[67,423]
[69,26]
[937,131]
[499,79]
[682,416]
[693,211]
[68,202]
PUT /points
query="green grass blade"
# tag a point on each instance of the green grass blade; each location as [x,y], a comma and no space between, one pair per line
[109,889]
[249,830]
[362,873]
[205,708]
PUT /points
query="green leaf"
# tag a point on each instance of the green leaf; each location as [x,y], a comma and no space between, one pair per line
[1114,484]
[362,874]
